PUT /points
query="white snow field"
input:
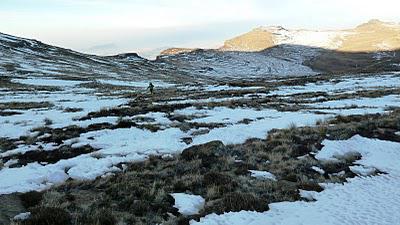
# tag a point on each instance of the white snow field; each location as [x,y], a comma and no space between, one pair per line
[47,82]
[137,84]
[361,200]
[347,85]
[328,39]
[19,125]
[132,144]
[188,204]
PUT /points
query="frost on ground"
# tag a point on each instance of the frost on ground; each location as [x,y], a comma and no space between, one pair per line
[361,200]
[188,204]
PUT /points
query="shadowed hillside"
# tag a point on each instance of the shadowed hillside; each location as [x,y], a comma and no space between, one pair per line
[282,60]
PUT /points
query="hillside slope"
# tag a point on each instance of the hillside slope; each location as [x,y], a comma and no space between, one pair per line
[274,50]
[256,40]
[26,57]
[372,36]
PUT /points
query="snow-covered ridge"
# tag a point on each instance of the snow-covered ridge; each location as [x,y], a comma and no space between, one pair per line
[26,57]
[328,39]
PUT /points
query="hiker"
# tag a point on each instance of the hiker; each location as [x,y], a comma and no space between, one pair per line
[151,88]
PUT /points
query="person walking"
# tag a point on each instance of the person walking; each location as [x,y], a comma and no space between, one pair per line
[151,88]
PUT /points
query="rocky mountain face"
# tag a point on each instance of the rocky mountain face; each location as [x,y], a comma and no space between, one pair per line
[274,50]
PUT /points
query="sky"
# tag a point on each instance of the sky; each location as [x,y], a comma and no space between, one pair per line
[115,26]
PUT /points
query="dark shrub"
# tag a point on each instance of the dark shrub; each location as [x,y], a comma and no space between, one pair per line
[105,217]
[183,221]
[31,199]
[48,216]
[292,177]
[242,168]
[140,208]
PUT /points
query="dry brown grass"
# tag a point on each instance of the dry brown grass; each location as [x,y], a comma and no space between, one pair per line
[253,41]
[372,36]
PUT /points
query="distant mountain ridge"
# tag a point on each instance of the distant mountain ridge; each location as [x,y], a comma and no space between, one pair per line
[27,57]
[375,35]
[262,52]
[274,50]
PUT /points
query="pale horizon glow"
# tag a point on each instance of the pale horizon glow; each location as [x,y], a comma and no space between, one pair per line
[116,26]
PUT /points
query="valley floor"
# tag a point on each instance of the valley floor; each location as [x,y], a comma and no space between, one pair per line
[302,150]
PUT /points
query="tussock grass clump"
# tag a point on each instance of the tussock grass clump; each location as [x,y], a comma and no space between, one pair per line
[215,178]
[101,217]
[236,201]
[48,216]
[72,110]
[204,151]
[6,144]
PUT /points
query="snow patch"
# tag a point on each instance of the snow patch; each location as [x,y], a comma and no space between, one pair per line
[22,216]
[262,175]
[47,82]
[363,170]
[309,195]
[137,84]
[188,204]
[318,170]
